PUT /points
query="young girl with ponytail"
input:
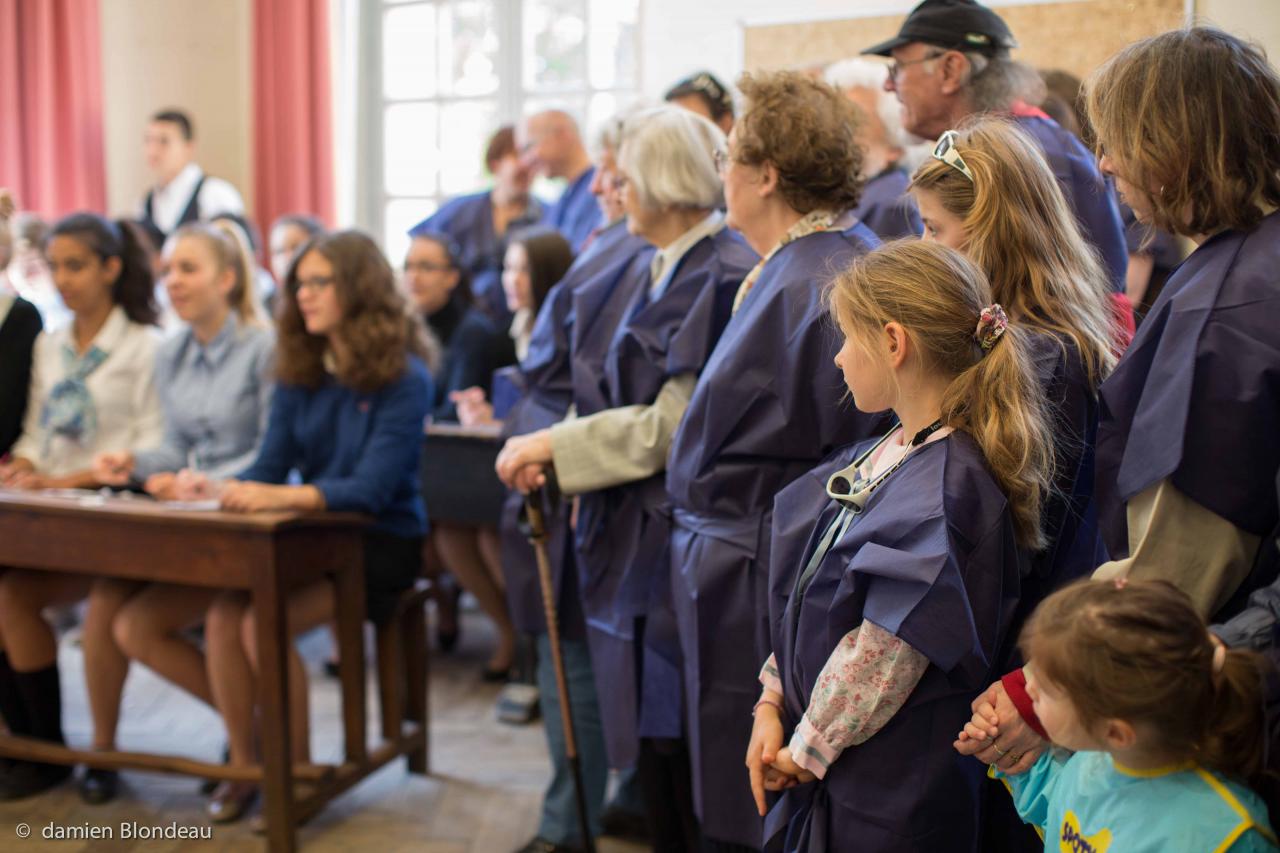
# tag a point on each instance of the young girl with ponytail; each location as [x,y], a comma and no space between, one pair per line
[92,389]
[888,613]
[1166,723]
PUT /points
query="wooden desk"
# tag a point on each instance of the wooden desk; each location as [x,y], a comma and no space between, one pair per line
[266,555]
[459,485]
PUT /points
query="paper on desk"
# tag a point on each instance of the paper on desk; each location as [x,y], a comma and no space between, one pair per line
[210,505]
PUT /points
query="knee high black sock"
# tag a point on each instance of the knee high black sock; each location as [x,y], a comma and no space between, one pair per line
[42,696]
[12,708]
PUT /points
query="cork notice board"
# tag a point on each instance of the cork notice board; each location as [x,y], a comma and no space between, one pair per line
[1072,36]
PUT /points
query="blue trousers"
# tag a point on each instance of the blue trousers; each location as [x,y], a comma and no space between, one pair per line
[559,804]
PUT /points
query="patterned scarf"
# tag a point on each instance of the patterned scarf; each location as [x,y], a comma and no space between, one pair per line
[811,223]
[69,411]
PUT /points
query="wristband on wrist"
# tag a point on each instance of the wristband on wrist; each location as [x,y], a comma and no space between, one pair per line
[756,706]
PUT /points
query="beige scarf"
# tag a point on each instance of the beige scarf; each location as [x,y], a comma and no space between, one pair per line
[811,223]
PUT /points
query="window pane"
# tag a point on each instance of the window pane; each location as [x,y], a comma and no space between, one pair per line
[411,152]
[468,127]
[468,49]
[408,52]
[401,215]
[612,43]
[555,50]
[601,106]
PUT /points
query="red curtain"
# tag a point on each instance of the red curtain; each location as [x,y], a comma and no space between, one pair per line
[51,149]
[293,111]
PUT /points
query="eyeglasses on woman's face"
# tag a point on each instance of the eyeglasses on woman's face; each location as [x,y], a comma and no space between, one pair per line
[315,284]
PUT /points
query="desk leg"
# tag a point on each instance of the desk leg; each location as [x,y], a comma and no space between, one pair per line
[350,607]
[269,601]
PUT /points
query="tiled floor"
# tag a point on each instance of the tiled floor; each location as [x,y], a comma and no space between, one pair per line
[483,796]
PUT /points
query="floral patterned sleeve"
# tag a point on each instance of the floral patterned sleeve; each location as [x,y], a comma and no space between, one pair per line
[866,680]
[769,675]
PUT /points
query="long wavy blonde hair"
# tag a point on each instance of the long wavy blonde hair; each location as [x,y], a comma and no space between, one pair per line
[1021,231]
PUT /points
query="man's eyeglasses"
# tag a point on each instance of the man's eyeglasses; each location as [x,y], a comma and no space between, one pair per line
[895,67]
[722,160]
[946,151]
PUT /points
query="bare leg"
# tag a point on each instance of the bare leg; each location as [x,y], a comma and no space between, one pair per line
[445,594]
[147,630]
[461,551]
[231,677]
[28,639]
[105,665]
[307,609]
[491,552]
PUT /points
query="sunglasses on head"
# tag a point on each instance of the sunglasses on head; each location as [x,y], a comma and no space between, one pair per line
[946,151]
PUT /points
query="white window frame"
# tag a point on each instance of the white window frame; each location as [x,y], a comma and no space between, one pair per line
[360,130]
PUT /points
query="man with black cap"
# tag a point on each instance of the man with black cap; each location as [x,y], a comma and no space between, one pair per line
[951,60]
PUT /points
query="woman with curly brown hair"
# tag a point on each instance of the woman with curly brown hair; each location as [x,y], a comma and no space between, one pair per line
[766,408]
[348,415]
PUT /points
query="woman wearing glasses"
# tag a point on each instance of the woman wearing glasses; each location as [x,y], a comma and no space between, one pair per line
[766,408]
[348,415]
[630,390]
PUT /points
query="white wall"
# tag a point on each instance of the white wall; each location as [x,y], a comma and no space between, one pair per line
[682,36]
[192,54]
[1256,20]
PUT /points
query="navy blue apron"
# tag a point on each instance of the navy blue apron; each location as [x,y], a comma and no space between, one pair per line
[886,208]
[546,377]
[769,404]
[576,213]
[623,533]
[933,560]
[1196,397]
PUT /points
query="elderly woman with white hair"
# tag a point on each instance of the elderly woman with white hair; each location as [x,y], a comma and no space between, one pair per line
[889,155]
[631,388]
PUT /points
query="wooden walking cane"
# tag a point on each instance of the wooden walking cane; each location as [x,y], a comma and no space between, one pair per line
[537,534]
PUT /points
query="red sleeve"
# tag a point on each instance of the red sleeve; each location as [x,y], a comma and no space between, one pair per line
[1122,313]
[1015,685]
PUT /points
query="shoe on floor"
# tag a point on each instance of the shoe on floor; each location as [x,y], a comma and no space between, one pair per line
[542,845]
[99,786]
[624,823]
[230,801]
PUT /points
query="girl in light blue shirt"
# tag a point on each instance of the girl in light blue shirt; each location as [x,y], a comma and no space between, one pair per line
[1166,723]
[214,378]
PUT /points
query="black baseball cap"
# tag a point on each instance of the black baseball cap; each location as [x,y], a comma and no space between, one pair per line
[953,24]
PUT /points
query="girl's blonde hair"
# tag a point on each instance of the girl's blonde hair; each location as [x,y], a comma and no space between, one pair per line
[231,251]
[1192,119]
[1023,234]
[937,295]
[1140,652]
